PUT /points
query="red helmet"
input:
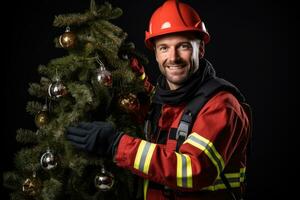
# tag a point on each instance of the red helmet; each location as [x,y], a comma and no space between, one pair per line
[174,17]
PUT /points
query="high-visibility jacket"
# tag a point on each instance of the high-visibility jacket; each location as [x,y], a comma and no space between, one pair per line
[218,141]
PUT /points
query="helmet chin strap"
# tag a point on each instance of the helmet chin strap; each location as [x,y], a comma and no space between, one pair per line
[195,56]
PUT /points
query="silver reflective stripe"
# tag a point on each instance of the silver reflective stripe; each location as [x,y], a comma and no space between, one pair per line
[184,171]
[144,155]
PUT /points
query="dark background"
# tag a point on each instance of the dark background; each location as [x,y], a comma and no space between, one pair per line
[249,47]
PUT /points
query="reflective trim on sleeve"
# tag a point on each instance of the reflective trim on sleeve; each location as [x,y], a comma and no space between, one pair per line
[242,174]
[208,148]
[146,183]
[234,179]
[143,76]
[143,156]
[184,171]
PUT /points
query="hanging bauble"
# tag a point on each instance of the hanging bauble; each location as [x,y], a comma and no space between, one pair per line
[57,89]
[31,186]
[48,160]
[129,103]
[103,76]
[104,180]
[67,39]
[42,117]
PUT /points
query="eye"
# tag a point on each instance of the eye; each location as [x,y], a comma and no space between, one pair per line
[185,46]
[162,48]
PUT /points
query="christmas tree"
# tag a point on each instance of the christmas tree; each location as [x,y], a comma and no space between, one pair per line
[92,82]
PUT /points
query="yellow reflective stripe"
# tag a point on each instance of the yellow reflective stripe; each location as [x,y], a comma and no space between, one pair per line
[221,186]
[139,154]
[148,158]
[242,174]
[143,76]
[189,172]
[146,183]
[208,148]
[143,156]
[179,171]
[234,179]
[184,171]
[232,175]
[243,170]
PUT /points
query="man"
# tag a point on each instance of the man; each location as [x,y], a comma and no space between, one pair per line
[188,154]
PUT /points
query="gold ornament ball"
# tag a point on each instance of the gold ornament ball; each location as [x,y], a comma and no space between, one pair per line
[31,186]
[41,119]
[67,40]
[129,103]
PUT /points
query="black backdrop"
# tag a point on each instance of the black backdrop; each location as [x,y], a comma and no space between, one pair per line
[248,47]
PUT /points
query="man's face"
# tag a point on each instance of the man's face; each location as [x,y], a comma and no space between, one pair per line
[174,56]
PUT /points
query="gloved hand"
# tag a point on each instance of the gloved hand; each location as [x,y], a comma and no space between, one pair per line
[96,137]
[137,67]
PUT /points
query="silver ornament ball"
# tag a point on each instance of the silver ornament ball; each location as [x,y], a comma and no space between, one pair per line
[57,89]
[104,76]
[104,181]
[48,160]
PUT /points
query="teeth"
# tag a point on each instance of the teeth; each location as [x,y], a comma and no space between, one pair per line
[175,67]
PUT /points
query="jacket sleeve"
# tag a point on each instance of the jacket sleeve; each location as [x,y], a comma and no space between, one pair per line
[215,134]
[138,68]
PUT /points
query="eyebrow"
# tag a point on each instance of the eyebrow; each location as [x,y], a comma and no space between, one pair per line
[178,44]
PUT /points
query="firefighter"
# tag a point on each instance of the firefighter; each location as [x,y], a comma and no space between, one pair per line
[199,126]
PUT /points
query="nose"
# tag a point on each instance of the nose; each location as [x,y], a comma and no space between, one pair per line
[173,55]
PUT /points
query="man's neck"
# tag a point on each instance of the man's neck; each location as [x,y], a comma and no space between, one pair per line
[173,86]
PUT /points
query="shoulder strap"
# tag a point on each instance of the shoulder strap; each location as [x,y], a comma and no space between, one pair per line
[207,90]
[150,126]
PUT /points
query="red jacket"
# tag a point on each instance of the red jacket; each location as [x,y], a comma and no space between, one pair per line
[217,142]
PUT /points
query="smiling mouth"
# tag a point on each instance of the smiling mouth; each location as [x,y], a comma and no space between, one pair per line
[174,67]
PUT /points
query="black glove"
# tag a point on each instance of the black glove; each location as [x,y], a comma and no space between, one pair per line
[97,137]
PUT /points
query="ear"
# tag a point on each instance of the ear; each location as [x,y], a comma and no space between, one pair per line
[201,49]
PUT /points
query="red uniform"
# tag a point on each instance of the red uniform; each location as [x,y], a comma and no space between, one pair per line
[217,142]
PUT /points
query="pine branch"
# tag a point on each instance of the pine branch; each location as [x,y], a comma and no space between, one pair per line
[105,12]
[118,63]
[45,82]
[33,107]
[37,90]
[107,38]
[17,196]
[78,164]
[122,78]
[55,129]
[113,33]
[52,189]
[26,136]
[82,93]
[40,90]
[65,66]
[75,19]
[105,46]
[11,180]
[27,160]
